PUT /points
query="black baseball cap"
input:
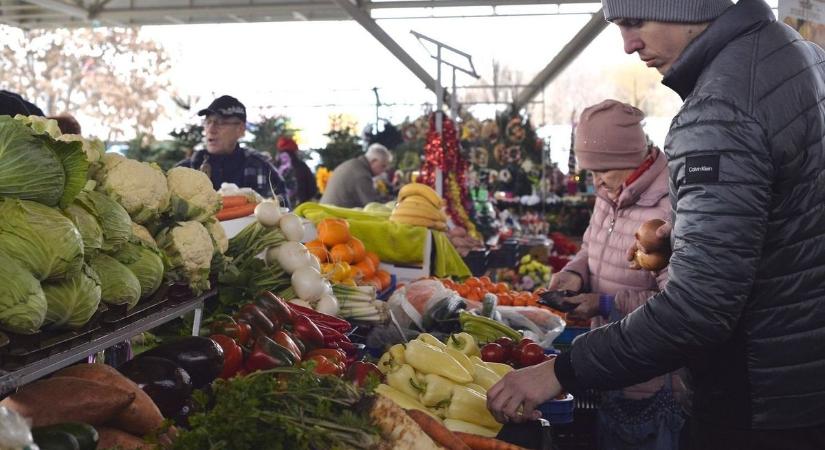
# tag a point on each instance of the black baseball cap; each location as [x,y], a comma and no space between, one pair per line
[12,104]
[226,106]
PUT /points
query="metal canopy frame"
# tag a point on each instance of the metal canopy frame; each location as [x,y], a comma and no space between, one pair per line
[29,14]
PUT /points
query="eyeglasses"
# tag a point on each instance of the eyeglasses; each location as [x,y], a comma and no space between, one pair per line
[220,122]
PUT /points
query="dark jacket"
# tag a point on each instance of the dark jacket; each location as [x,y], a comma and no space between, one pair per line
[744,307]
[351,185]
[243,167]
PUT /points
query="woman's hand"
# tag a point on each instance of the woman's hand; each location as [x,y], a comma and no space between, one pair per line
[565,281]
[588,306]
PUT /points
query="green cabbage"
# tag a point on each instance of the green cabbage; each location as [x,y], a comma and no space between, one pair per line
[36,167]
[113,219]
[42,239]
[118,284]
[87,225]
[71,303]
[22,303]
[145,264]
[41,125]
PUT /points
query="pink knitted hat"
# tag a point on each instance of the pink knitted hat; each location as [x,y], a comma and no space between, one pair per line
[610,136]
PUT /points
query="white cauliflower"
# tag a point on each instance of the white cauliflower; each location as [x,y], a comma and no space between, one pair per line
[218,235]
[143,235]
[139,187]
[192,195]
[188,248]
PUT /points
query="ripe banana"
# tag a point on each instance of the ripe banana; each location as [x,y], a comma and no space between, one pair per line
[421,190]
[408,209]
[418,220]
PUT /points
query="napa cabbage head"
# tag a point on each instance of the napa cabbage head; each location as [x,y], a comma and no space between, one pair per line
[42,239]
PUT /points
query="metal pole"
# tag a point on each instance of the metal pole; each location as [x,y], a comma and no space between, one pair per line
[439,123]
[454,101]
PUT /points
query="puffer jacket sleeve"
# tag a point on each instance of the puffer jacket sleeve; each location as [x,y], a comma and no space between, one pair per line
[579,266]
[717,240]
[628,300]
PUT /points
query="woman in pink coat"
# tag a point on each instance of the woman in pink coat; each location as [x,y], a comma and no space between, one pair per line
[631,188]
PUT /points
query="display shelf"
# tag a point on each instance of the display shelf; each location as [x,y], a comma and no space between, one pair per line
[30,372]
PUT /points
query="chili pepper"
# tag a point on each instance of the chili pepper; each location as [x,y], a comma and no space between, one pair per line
[318,317]
[228,326]
[301,347]
[359,371]
[348,347]
[331,333]
[307,331]
[283,339]
[232,355]
[329,353]
[326,366]
[261,325]
[275,308]
[267,354]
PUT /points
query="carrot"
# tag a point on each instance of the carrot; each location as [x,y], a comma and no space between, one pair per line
[476,442]
[438,432]
[231,201]
[236,212]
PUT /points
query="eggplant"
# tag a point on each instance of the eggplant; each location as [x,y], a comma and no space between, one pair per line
[200,357]
[169,385]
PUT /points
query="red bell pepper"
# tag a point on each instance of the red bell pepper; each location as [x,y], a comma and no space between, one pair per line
[283,339]
[251,314]
[232,355]
[267,354]
[333,322]
[360,371]
[329,353]
[226,325]
[275,308]
[326,366]
[307,331]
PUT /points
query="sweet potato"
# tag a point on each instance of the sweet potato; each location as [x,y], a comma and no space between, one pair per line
[121,440]
[141,417]
[68,399]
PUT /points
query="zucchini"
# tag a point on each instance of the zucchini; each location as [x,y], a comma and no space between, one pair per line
[55,440]
[84,435]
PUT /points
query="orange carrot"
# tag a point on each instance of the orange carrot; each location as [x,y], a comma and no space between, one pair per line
[477,442]
[231,201]
[438,432]
[236,212]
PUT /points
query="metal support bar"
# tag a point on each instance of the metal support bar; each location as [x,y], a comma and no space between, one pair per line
[364,19]
[583,38]
[65,8]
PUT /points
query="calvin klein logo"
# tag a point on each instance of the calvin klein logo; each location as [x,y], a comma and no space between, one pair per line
[701,169]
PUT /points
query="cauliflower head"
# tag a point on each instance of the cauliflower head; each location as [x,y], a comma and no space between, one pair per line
[140,188]
[218,234]
[188,248]
[191,194]
[143,236]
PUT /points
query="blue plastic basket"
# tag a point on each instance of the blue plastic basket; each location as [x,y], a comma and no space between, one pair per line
[566,337]
[558,412]
[385,294]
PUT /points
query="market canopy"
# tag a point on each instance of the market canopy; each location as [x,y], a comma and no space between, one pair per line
[31,14]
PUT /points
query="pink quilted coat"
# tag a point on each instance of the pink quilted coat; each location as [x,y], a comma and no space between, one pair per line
[602,262]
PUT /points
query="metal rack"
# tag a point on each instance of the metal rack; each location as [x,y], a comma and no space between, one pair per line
[38,369]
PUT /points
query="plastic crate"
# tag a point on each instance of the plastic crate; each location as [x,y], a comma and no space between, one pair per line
[566,337]
[558,412]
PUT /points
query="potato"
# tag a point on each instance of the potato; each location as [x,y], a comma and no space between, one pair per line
[121,440]
[141,417]
[68,399]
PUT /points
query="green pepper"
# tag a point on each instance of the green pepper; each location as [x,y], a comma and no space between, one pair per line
[470,406]
[465,343]
[437,389]
[402,378]
[428,359]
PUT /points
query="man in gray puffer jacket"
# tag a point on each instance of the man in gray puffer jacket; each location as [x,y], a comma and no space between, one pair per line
[744,308]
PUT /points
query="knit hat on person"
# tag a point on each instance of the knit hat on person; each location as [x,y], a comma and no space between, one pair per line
[609,136]
[679,11]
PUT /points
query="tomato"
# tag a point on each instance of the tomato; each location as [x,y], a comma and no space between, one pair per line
[508,345]
[493,352]
[531,354]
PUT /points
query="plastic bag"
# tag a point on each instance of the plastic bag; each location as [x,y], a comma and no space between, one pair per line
[15,433]
[538,324]
[425,304]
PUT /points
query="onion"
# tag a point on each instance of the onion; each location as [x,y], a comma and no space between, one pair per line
[327,305]
[652,261]
[271,255]
[299,302]
[314,263]
[646,235]
[268,213]
[308,284]
[292,227]
[293,256]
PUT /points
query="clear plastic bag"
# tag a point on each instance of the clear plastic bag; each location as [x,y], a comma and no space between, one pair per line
[15,433]
[538,324]
[411,303]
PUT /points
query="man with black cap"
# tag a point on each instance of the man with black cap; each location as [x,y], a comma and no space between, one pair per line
[744,307]
[224,160]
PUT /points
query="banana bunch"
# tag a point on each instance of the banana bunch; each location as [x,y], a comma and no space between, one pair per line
[418,204]
[484,329]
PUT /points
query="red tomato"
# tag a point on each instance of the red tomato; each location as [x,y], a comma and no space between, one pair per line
[531,354]
[493,352]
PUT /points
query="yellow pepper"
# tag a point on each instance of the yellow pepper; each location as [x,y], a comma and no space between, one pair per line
[403,400]
[402,378]
[484,377]
[437,389]
[461,358]
[470,406]
[465,343]
[428,359]
[391,358]
[499,368]
[471,428]
[432,340]
[476,388]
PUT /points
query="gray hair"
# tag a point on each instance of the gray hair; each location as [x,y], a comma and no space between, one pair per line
[378,151]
